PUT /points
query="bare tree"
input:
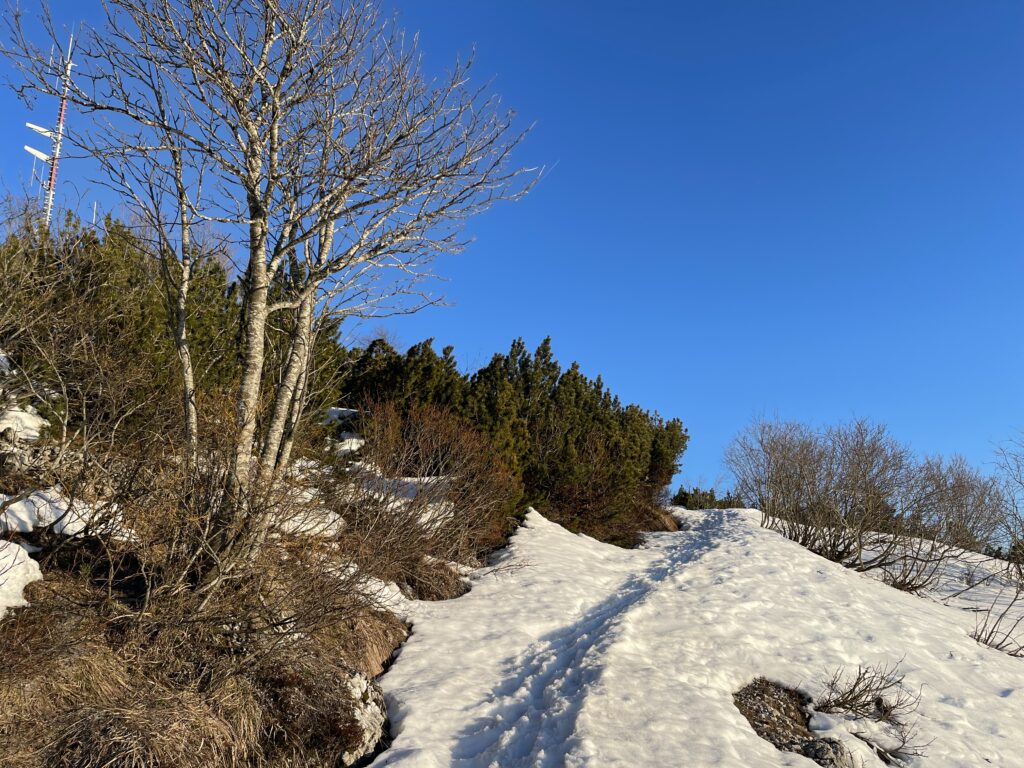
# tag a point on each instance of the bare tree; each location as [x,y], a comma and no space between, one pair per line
[307,131]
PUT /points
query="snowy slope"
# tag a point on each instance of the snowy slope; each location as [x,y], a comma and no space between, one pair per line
[576,653]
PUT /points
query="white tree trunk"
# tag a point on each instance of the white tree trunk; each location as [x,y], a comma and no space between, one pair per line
[254,352]
[190,411]
[188,381]
[289,392]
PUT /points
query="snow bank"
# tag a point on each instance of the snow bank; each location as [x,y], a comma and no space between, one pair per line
[340,415]
[575,653]
[347,441]
[44,508]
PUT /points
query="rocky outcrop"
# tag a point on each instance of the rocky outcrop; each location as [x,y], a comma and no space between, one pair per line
[780,715]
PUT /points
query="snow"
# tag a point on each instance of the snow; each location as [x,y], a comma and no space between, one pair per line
[348,442]
[24,420]
[26,423]
[44,508]
[572,652]
[16,570]
[335,415]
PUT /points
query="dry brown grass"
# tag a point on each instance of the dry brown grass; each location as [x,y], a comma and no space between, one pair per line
[154,728]
[366,642]
[311,709]
[86,681]
[436,580]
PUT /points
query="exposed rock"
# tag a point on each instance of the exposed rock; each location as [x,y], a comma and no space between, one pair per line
[827,752]
[780,715]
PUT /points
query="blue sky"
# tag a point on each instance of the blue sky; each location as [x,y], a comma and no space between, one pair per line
[796,208]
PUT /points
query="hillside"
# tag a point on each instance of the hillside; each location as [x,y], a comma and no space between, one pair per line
[572,652]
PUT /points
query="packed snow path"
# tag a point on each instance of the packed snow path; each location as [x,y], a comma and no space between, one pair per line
[534,709]
[571,652]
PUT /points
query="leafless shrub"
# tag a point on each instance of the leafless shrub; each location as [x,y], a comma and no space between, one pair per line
[854,495]
[1011,465]
[999,626]
[877,693]
[909,563]
[786,470]
[428,493]
[968,507]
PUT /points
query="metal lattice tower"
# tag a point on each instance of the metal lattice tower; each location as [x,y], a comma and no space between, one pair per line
[56,136]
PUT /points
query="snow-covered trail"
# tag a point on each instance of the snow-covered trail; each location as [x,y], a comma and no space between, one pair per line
[579,654]
[533,712]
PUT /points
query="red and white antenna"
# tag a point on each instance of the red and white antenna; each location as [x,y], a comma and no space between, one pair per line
[56,137]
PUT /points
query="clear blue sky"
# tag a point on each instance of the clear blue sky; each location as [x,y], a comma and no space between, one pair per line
[797,208]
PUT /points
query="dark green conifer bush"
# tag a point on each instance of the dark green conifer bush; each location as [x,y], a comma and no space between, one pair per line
[706,498]
[584,458]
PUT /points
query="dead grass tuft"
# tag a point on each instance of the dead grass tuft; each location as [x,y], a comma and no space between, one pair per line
[88,682]
[365,642]
[435,580]
[310,708]
[151,729]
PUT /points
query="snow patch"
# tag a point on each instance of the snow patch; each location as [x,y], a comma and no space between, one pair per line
[17,569]
[25,422]
[41,509]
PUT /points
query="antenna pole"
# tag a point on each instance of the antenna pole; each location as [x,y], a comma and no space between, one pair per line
[58,136]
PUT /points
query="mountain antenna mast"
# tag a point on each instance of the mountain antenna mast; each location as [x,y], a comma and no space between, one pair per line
[56,137]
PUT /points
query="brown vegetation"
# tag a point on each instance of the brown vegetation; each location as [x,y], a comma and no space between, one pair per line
[877,693]
[218,604]
[855,495]
[427,496]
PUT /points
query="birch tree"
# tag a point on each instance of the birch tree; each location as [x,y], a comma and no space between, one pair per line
[305,131]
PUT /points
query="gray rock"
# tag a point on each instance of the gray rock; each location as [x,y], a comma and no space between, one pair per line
[827,752]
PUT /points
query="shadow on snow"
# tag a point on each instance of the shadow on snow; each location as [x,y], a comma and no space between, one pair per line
[532,722]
